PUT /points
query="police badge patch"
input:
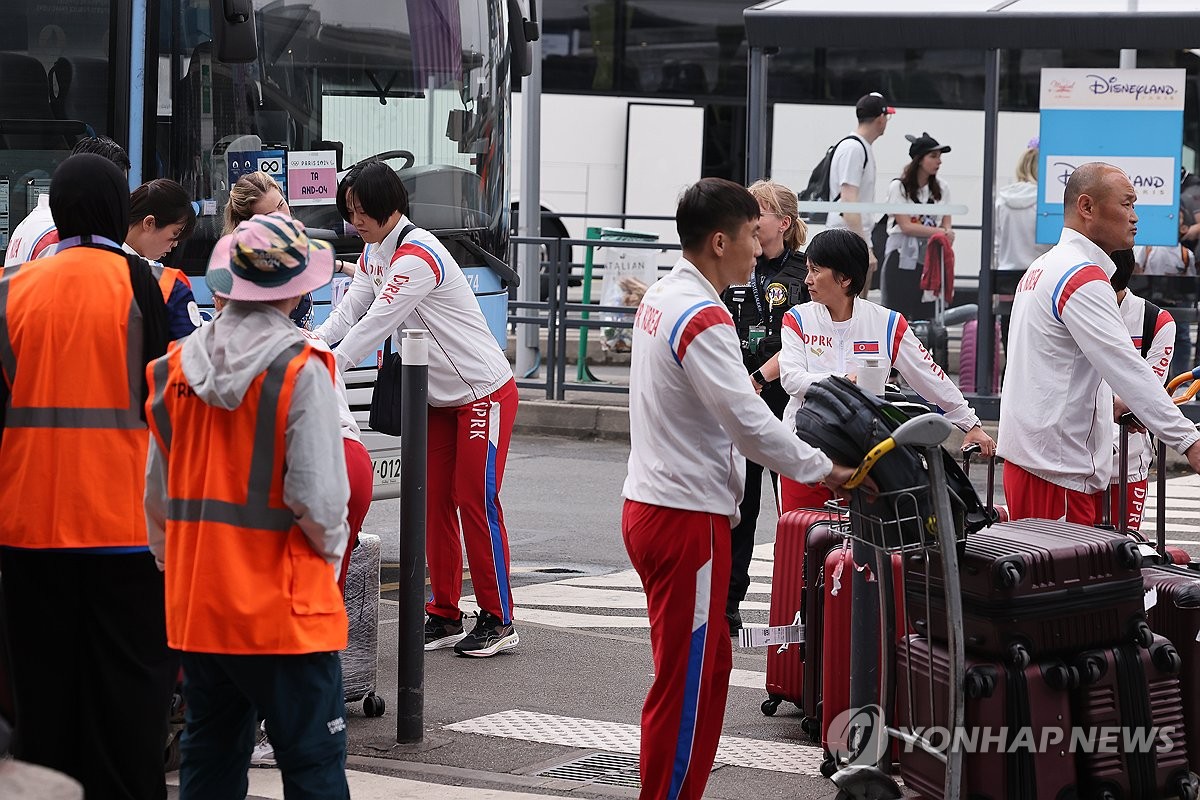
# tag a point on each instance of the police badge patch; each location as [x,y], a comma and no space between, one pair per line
[777,294]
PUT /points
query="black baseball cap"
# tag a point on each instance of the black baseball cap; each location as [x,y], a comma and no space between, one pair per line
[923,145]
[872,105]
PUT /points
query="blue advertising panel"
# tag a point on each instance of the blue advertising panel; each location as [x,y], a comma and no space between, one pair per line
[272,162]
[1130,118]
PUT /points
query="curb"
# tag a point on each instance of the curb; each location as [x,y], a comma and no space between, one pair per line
[573,420]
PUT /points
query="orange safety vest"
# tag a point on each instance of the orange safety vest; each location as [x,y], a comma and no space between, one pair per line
[241,578]
[73,448]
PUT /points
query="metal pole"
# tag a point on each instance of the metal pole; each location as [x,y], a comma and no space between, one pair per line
[414,422]
[955,645]
[756,116]
[531,201]
[985,337]
[1129,57]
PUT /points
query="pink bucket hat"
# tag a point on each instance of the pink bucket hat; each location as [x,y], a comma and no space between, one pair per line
[268,258]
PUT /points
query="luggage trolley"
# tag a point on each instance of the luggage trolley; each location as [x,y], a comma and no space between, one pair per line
[910,522]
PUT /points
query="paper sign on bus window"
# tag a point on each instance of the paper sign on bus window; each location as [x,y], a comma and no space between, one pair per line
[312,177]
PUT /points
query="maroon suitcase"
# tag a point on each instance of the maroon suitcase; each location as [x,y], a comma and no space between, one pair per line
[1036,588]
[1176,615]
[1133,691]
[802,539]
[999,696]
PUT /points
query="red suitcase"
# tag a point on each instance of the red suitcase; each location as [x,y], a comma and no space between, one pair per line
[999,696]
[1035,588]
[1133,691]
[1176,615]
[802,539]
[835,648]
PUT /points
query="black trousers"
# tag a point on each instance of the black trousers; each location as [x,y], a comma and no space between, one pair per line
[741,536]
[92,674]
[901,290]
[300,696]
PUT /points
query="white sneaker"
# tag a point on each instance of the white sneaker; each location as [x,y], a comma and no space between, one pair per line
[263,754]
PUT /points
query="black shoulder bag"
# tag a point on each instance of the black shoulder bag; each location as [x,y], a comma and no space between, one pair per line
[385,398]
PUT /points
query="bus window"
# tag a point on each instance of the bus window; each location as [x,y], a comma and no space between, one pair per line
[55,86]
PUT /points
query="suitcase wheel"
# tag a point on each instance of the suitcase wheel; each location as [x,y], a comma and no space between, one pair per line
[373,705]
[1167,658]
[1142,634]
[1018,655]
[1129,556]
[770,705]
[828,766]
[812,726]
[979,683]
[1061,677]
[1188,788]
[1092,667]
[1010,574]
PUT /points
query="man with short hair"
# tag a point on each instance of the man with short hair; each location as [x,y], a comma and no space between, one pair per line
[1067,346]
[245,507]
[693,414]
[852,171]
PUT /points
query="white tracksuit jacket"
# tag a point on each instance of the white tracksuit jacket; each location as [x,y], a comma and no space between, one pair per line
[813,349]
[692,411]
[419,285]
[1133,310]
[1067,345]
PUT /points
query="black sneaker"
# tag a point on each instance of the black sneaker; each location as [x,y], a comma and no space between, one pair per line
[488,637]
[442,632]
[734,618]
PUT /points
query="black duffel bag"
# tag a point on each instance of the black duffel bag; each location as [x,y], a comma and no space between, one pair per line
[846,423]
[385,399]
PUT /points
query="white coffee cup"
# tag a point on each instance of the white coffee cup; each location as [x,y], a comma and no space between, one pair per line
[872,374]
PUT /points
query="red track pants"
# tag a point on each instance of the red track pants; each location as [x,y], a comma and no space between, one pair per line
[1031,497]
[362,485]
[468,446]
[683,560]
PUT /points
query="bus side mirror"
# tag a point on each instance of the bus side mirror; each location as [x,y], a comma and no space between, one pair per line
[233,31]
[521,31]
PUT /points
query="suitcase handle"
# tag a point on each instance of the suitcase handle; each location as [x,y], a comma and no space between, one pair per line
[975,449]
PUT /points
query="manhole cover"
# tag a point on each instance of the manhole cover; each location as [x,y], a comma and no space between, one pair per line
[608,769]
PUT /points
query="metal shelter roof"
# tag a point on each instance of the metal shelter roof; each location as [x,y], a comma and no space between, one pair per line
[975,24]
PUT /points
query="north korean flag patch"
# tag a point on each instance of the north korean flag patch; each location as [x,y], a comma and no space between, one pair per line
[866,348]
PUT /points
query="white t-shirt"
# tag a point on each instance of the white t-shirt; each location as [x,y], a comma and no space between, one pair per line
[853,164]
[911,247]
[1165,260]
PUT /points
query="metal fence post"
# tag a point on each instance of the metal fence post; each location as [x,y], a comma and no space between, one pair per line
[562,273]
[414,421]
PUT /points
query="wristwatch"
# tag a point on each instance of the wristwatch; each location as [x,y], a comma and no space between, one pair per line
[758,377]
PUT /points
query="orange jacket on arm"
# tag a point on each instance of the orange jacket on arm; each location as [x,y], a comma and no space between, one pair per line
[73,450]
[241,576]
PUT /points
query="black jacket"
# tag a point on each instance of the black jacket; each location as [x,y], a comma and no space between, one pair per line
[776,285]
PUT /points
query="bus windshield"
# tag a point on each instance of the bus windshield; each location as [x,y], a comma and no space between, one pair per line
[420,84]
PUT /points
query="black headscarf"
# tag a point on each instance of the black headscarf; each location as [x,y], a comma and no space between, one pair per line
[89,195]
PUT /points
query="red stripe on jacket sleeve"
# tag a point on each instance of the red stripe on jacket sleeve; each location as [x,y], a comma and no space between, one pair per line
[704,319]
[424,255]
[1084,276]
[48,240]
[898,336]
[789,322]
[1164,318]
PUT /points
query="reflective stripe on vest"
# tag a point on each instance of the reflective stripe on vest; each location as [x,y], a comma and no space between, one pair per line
[128,418]
[257,512]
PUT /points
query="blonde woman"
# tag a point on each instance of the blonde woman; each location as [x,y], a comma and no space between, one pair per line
[1016,216]
[758,308]
[258,193]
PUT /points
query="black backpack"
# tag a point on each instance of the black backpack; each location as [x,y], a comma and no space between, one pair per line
[845,423]
[818,181]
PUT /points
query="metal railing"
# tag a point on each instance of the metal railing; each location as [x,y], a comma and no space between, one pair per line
[558,315]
